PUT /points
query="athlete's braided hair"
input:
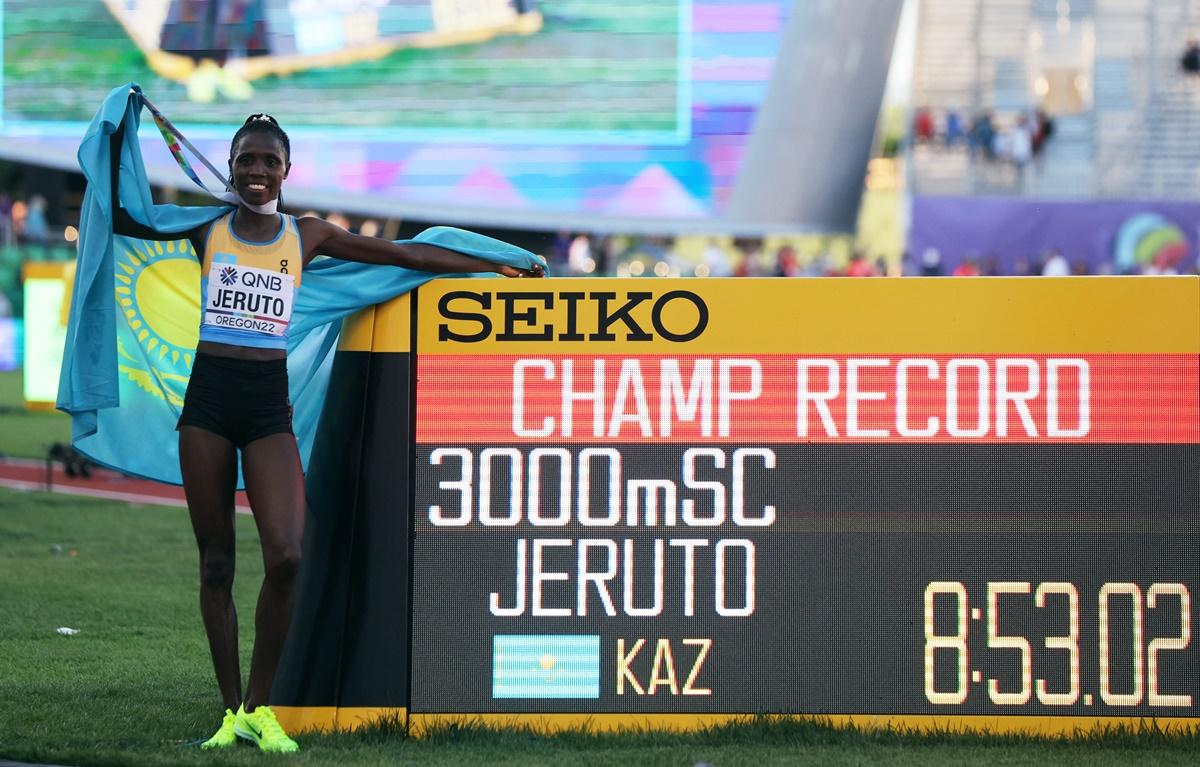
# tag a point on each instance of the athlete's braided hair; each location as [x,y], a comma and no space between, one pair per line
[267,124]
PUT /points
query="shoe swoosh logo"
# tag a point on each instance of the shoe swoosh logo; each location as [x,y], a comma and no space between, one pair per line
[252,727]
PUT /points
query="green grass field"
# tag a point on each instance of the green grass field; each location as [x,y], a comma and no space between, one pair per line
[27,433]
[135,687]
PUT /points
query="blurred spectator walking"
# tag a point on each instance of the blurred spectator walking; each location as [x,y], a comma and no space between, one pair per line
[955,134]
[8,235]
[983,135]
[1190,60]
[37,229]
[1043,129]
[1020,141]
[924,128]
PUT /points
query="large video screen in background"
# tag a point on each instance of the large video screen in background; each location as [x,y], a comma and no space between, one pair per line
[509,109]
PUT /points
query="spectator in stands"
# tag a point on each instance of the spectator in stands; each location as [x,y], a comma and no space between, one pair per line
[717,261]
[1056,265]
[859,266]
[7,235]
[924,128]
[37,229]
[955,134]
[818,265]
[338,219]
[786,263]
[655,249]
[1043,129]
[748,257]
[742,267]
[369,228]
[579,255]
[931,263]
[559,247]
[1190,61]
[968,267]
[1020,141]
[1001,146]
[1037,264]
[605,253]
[672,257]
[983,135]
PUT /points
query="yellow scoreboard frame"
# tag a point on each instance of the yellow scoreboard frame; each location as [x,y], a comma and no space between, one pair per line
[925,479]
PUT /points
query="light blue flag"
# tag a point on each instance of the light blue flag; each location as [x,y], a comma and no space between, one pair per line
[135,310]
[546,666]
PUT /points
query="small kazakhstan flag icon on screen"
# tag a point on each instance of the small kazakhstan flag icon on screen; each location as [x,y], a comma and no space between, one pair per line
[545,666]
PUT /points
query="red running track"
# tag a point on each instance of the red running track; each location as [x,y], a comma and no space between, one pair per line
[30,475]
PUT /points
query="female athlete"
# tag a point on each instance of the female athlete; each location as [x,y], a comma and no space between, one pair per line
[252,263]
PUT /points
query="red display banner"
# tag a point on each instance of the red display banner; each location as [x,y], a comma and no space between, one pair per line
[1090,398]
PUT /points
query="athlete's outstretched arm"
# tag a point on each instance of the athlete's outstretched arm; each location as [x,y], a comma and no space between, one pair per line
[322,238]
[125,224]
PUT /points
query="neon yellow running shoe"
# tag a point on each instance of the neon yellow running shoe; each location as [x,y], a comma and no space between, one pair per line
[261,727]
[225,736]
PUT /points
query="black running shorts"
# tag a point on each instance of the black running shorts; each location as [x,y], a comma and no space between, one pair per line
[240,400]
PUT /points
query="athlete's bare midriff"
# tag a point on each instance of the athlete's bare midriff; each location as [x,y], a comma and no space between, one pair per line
[240,352]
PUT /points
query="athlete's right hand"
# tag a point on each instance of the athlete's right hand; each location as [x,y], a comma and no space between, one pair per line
[511,271]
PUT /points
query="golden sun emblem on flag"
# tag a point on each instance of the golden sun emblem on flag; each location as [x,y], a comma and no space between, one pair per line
[547,664]
[157,292]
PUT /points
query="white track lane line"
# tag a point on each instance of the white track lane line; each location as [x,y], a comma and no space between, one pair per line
[111,495]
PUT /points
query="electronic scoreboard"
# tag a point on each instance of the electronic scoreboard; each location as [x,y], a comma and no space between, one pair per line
[907,500]
[806,496]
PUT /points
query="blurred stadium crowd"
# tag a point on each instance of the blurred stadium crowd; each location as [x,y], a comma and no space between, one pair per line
[1018,137]
[31,230]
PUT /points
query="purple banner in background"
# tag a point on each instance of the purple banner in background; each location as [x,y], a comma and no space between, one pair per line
[1012,236]
[10,343]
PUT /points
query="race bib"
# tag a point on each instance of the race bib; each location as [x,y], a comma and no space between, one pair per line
[250,299]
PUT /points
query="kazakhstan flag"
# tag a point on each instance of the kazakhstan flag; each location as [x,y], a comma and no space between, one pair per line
[545,666]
